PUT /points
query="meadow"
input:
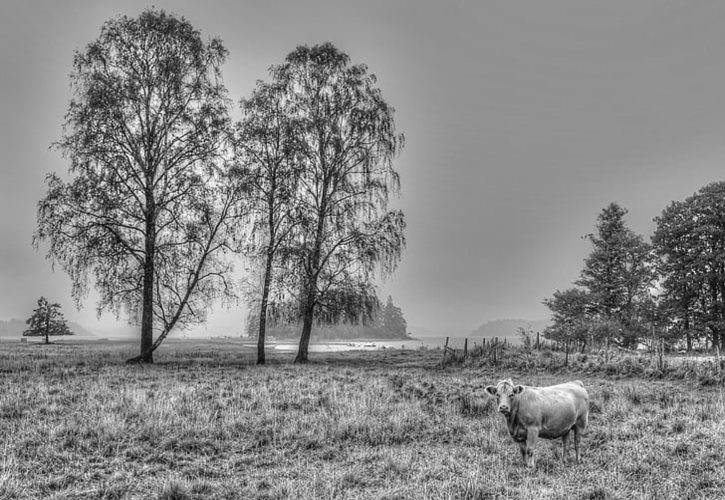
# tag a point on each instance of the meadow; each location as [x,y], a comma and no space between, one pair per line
[205,422]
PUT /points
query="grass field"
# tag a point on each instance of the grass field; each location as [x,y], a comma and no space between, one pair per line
[205,422]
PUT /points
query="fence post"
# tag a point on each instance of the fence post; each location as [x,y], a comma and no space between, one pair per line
[465,348]
[445,348]
[717,353]
[538,342]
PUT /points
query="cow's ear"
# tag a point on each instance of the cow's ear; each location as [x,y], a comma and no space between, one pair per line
[518,389]
[491,390]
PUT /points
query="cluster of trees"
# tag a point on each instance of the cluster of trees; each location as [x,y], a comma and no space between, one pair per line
[670,289]
[384,322]
[165,189]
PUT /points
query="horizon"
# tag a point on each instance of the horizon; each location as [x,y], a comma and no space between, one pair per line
[130,332]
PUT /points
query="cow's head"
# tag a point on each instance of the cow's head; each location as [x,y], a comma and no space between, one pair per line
[504,391]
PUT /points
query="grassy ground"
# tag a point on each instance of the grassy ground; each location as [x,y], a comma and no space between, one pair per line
[205,422]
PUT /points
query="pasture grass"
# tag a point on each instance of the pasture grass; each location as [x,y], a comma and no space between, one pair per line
[205,422]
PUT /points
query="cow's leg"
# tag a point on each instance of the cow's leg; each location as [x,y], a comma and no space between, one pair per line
[577,436]
[565,443]
[531,436]
[581,423]
[522,447]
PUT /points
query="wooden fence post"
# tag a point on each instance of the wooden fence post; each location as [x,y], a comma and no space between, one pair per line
[538,344]
[465,348]
[445,348]
[717,354]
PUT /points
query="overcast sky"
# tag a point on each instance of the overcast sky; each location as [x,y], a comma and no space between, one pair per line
[522,121]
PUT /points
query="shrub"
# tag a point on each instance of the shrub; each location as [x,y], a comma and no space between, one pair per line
[174,490]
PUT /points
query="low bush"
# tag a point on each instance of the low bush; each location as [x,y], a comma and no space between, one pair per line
[616,365]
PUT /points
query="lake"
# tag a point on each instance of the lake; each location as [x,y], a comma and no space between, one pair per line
[373,345]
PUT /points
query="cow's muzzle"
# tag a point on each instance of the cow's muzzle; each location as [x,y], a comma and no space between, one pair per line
[504,409]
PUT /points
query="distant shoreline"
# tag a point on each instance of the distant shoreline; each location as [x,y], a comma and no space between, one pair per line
[283,345]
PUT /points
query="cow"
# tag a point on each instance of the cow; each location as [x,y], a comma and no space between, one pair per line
[542,412]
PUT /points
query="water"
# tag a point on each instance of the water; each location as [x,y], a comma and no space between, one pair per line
[374,345]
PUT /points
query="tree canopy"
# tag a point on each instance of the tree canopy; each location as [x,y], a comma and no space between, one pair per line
[690,243]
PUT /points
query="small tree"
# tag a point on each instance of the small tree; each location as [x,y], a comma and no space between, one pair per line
[46,320]
[392,321]
[571,316]
[617,274]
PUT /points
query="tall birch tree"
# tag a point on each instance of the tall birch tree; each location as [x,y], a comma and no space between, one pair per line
[344,229]
[266,145]
[147,206]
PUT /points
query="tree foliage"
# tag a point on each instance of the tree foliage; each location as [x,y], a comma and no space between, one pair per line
[46,320]
[690,243]
[147,208]
[571,316]
[392,321]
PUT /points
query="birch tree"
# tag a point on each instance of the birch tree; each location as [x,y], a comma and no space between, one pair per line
[344,230]
[266,146]
[147,206]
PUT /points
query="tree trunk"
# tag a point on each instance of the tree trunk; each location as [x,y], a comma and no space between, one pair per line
[715,338]
[311,287]
[263,310]
[306,329]
[47,327]
[147,318]
[687,333]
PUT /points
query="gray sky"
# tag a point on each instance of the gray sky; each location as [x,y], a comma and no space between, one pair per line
[522,120]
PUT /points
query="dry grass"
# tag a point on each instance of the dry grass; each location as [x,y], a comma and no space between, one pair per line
[205,422]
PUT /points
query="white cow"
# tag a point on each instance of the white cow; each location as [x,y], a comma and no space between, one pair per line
[542,412]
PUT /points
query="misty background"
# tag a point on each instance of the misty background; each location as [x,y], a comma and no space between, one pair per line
[522,121]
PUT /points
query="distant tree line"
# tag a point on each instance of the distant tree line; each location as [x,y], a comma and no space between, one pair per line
[380,322]
[165,190]
[670,290]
